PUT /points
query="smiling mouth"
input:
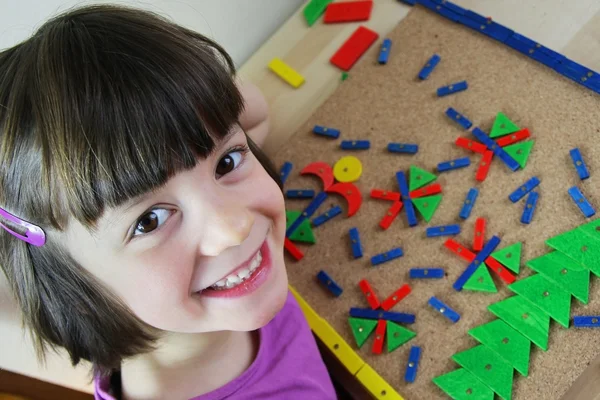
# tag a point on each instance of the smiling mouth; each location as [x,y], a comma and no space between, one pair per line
[240,276]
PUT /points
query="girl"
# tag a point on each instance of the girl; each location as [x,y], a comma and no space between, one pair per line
[142,228]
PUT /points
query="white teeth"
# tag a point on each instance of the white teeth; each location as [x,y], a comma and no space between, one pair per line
[237,278]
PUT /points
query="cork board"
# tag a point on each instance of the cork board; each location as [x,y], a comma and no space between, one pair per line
[389,104]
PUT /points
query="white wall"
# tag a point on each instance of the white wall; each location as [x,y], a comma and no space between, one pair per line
[241,26]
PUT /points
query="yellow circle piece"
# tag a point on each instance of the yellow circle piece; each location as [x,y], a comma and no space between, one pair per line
[347,169]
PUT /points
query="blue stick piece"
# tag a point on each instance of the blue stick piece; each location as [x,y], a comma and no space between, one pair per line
[459,118]
[307,213]
[387,256]
[529,209]
[384,53]
[487,27]
[285,171]
[525,188]
[497,150]
[452,88]
[355,144]
[582,170]
[328,132]
[411,215]
[465,212]
[329,283]
[443,309]
[355,243]
[586,321]
[299,194]
[403,148]
[409,2]
[489,247]
[327,215]
[380,314]
[413,364]
[426,273]
[446,230]
[583,204]
[429,67]
[454,164]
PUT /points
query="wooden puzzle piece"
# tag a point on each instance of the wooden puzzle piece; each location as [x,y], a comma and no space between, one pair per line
[397,335]
[520,151]
[481,281]
[546,296]
[460,384]
[525,318]
[579,246]
[361,329]
[419,178]
[509,256]
[506,342]
[304,232]
[427,205]
[565,273]
[503,126]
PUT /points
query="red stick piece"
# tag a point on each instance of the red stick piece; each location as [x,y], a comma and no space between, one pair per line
[459,249]
[396,297]
[379,336]
[391,215]
[499,270]
[484,166]
[385,195]
[370,295]
[292,249]
[426,191]
[471,145]
[479,236]
[513,138]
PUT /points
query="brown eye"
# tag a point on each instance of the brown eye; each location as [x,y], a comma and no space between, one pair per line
[228,163]
[151,220]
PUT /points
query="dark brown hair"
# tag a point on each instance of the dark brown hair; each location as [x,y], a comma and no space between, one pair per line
[100,105]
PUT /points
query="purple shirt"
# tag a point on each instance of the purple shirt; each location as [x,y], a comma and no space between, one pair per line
[288,365]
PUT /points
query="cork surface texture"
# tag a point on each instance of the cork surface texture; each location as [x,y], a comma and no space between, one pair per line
[389,104]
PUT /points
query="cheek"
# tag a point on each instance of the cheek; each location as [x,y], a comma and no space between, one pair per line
[268,199]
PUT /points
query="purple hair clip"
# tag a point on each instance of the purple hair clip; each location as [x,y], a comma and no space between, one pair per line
[34,235]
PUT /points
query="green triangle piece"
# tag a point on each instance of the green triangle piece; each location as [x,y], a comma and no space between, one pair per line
[559,269]
[509,256]
[546,296]
[397,335]
[481,281]
[502,126]
[460,384]
[525,318]
[304,232]
[344,76]
[592,229]
[314,9]
[362,328]
[506,342]
[418,178]
[427,205]
[489,367]
[580,246]
[520,151]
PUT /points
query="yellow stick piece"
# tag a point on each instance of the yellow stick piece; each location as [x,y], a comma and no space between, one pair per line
[376,384]
[286,72]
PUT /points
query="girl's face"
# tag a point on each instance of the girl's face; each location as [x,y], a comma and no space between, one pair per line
[202,253]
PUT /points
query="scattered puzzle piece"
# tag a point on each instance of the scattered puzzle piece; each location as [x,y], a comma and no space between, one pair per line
[304,232]
[502,126]
[565,273]
[506,342]
[397,335]
[525,318]
[427,205]
[460,384]
[580,247]
[520,151]
[419,178]
[489,367]
[361,329]
[509,256]
[546,296]
[481,281]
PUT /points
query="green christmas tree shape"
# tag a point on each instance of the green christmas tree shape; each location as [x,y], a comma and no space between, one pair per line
[304,232]
[427,205]
[489,367]
[579,246]
[418,178]
[502,126]
[546,296]
[564,273]
[506,342]
[481,281]
[460,384]
[520,151]
[509,256]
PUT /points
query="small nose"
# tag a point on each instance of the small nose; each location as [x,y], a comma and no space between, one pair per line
[228,226]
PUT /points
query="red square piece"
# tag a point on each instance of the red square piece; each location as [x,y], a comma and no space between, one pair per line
[354,47]
[348,11]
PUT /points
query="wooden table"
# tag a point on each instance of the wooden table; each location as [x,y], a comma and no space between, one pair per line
[571,28]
